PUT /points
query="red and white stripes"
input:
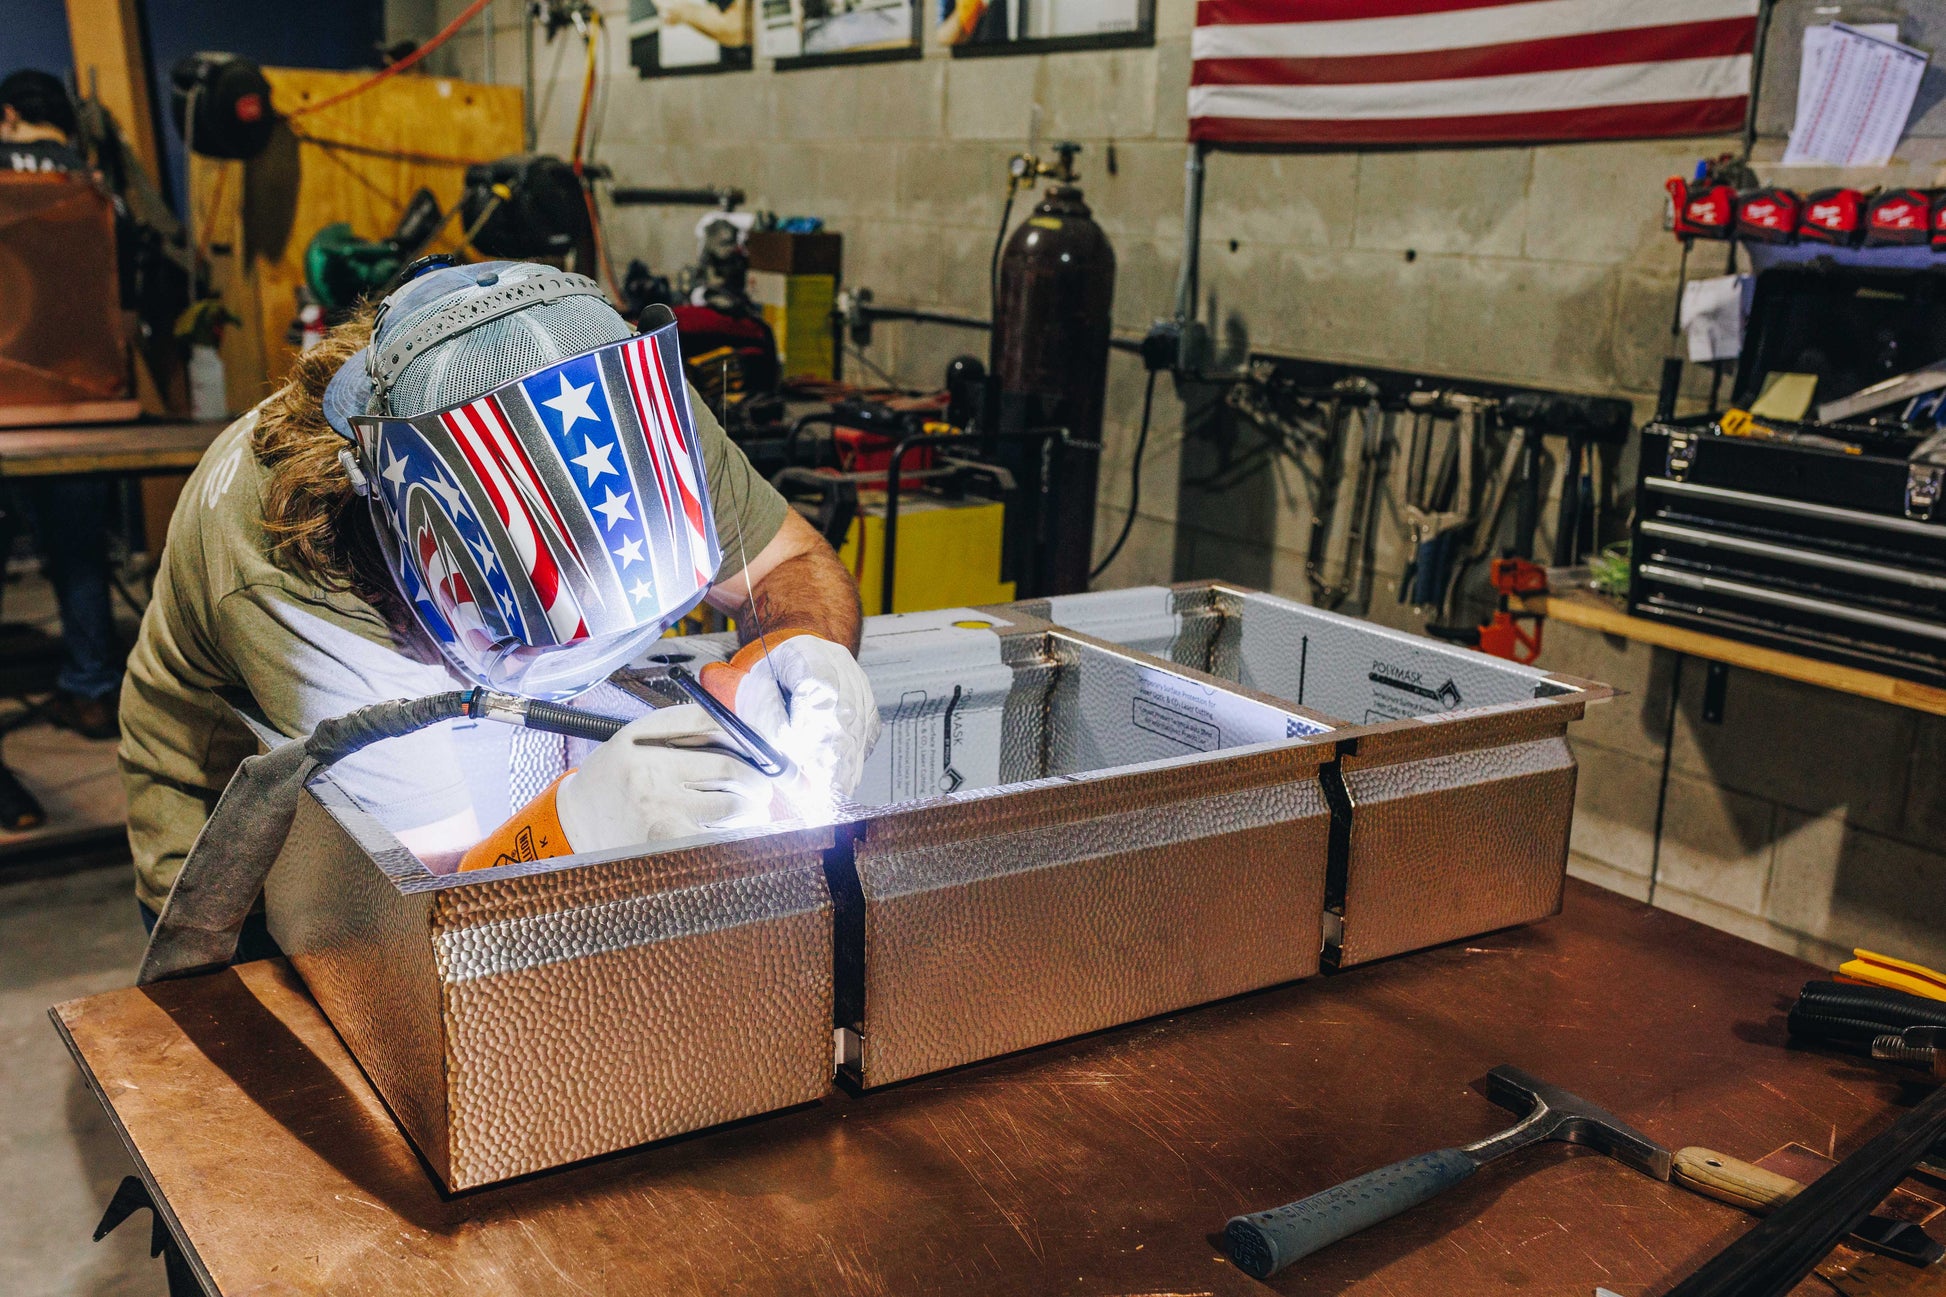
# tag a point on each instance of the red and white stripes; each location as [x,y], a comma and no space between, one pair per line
[1354,72]
[523,504]
[669,454]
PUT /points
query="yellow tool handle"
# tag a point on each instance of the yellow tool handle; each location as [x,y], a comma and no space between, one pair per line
[1895,974]
[1728,1179]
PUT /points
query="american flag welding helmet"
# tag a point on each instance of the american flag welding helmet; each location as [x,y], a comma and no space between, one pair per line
[544,527]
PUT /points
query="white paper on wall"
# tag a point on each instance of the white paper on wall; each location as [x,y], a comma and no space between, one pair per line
[1712,316]
[1854,94]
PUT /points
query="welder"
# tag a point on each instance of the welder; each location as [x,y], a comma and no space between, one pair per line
[493,480]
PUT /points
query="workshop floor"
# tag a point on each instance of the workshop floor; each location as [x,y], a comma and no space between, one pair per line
[62,936]
[67,928]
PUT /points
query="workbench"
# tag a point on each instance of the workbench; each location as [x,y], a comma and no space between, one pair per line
[1105,1165]
[124,448]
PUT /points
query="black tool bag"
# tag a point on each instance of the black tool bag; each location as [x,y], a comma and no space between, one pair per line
[1812,548]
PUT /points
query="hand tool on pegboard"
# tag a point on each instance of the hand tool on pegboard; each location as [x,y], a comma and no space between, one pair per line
[1264,1242]
[1447,429]
[1354,401]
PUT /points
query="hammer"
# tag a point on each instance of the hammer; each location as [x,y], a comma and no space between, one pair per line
[1264,1242]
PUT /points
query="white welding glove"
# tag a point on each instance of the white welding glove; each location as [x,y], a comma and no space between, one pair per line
[652,782]
[829,724]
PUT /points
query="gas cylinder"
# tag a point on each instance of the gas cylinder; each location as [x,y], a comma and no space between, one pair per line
[1050,368]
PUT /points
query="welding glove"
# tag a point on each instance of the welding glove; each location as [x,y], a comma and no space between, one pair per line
[667,775]
[811,699]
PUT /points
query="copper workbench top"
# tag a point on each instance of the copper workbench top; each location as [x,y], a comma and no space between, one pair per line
[1100,1166]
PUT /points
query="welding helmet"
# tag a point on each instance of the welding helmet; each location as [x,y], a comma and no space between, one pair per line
[533,473]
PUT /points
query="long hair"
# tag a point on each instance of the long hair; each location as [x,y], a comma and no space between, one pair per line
[307,500]
[316,525]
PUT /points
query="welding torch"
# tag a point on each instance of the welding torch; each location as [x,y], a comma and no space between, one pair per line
[745,743]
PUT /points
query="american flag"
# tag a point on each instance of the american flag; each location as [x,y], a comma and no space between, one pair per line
[1376,72]
[587,476]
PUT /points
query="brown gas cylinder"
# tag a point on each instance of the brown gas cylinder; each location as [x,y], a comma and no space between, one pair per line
[1050,365]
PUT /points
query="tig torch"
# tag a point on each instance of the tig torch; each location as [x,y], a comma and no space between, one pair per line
[746,744]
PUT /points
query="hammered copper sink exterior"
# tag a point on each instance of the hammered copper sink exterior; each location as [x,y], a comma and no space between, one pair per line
[1123,832]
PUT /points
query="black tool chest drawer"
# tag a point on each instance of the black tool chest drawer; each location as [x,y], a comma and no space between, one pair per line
[1815,551]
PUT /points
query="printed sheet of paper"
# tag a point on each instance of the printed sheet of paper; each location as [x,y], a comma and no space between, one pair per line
[1712,315]
[1854,93]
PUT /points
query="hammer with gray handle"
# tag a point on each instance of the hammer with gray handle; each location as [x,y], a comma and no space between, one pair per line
[1264,1242]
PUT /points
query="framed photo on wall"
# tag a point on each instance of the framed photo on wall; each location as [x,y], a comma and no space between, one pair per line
[980,27]
[817,33]
[666,37]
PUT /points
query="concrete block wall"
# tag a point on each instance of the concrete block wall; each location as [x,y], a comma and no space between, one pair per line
[1805,820]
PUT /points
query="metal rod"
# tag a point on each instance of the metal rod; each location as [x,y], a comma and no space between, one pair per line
[1774,1256]
[1756,80]
[1192,233]
[954,321]
[726,196]
[527,76]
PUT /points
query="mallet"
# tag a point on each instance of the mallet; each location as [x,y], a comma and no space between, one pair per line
[1264,1242]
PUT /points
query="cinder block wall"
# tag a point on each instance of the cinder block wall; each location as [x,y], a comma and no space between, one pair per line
[1806,819]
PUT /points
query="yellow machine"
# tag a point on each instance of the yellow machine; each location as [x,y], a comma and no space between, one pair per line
[949,553]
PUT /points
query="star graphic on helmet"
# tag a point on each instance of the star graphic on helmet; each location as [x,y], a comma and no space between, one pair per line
[395,469]
[595,462]
[642,590]
[455,499]
[488,560]
[630,552]
[572,404]
[615,508]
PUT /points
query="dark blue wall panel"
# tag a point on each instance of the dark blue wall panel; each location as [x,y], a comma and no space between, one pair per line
[338,34]
[36,37]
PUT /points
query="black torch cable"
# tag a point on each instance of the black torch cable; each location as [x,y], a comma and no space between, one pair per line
[1134,479]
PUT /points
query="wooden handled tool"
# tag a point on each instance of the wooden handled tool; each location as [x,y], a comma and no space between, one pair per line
[1751,1187]
[1732,1180]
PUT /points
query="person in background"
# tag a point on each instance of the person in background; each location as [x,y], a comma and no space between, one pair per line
[68,515]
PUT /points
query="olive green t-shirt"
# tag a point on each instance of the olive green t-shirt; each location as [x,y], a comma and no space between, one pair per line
[224,617]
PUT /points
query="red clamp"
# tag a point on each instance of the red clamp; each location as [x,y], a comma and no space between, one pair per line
[1505,636]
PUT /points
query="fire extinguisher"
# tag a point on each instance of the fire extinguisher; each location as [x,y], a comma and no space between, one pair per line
[1052,315]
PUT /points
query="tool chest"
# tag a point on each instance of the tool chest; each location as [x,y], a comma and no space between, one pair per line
[1821,538]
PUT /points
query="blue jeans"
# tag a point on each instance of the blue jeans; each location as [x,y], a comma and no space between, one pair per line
[254,942]
[69,516]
